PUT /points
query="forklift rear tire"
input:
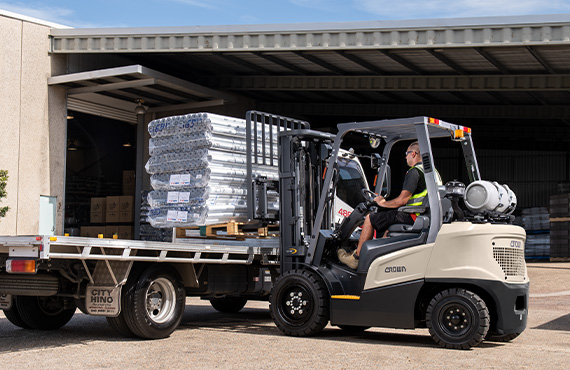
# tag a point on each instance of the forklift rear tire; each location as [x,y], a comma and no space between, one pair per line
[153,303]
[14,317]
[228,304]
[299,303]
[457,319]
[501,338]
[43,313]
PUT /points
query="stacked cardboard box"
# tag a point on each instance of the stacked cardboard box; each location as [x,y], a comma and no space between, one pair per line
[536,222]
[113,215]
[560,226]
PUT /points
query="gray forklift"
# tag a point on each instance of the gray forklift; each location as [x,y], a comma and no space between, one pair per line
[459,270]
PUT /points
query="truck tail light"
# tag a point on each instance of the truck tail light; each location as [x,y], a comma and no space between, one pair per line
[21,266]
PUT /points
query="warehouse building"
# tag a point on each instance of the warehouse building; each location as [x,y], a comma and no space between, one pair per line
[75,102]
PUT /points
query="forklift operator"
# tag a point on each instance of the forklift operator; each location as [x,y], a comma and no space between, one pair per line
[413,193]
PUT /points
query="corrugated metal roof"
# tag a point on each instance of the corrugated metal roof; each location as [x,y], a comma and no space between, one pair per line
[527,30]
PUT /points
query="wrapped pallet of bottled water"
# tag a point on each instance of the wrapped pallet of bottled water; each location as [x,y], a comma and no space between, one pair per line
[198,168]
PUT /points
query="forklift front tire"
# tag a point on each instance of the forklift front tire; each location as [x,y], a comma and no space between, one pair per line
[457,319]
[299,303]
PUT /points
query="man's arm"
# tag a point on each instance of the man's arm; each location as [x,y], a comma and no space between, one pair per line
[398,202]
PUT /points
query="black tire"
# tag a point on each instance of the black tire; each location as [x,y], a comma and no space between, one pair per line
[491,337]
[119,325]
[14,317]
[457,319]
[43,313]
[228,304]
[299,303]
[351,329]
[153,304]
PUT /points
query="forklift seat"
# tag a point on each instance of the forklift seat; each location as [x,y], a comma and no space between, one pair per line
[421,223]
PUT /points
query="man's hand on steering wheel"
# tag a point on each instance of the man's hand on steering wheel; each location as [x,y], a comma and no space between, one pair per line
[371,198]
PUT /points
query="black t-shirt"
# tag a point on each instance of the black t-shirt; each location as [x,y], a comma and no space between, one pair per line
[414,181]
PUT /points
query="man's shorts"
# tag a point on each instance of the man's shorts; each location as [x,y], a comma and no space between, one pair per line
[384,217]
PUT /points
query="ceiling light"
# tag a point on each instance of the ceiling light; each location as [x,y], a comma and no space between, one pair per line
[70,115]
[140,109]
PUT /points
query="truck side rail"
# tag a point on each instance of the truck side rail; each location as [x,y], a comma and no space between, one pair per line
[80,248]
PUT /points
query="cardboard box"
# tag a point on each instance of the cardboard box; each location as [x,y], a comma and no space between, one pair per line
[125,232]
[126,208]
[92,231]
[129,182]
[110,231]
[98,210]
[122,232]
[112,211]
[129,177]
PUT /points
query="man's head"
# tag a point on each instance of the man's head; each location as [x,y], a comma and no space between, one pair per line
[413,154]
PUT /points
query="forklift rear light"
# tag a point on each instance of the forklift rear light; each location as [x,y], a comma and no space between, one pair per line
[21,266]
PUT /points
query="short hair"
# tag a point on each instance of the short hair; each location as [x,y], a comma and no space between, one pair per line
[415,146]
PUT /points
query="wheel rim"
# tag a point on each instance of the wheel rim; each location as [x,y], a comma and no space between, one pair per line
[50,306]
[456,319]
[160,300]
[296,305]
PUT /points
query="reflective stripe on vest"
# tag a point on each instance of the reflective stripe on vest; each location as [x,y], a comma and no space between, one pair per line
[418,199]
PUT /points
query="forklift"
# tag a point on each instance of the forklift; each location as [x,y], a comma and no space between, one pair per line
[458,271]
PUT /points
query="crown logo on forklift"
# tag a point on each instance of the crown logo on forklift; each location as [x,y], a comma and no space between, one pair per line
[392,269]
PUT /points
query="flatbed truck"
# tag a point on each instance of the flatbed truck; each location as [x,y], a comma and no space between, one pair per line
[459,272]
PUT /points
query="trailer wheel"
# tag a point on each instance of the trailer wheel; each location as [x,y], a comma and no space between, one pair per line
[228,304]
[119,325]
[491,337]
[299,303]
[43,313]
[14,316]
[153,303]
[457,319]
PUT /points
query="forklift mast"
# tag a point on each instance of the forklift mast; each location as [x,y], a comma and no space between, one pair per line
[302,164]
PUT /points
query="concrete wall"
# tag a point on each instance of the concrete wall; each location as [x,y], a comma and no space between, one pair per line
[32,125]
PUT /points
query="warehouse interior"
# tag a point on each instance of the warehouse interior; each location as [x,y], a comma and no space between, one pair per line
[505,77]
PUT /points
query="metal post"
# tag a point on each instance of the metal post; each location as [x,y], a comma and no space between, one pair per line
[139,170]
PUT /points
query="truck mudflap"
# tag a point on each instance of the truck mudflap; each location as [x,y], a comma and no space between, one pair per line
[507,302]
[5,301]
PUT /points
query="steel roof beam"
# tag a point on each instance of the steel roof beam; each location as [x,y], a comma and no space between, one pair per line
[492,60]
[353,58]
[442,58]
[244,63]
[412,67]
[282,63]
[460,83]
[400,110]
[320,62]
[541,60]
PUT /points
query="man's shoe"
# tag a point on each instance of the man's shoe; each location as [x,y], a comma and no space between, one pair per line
[348,259]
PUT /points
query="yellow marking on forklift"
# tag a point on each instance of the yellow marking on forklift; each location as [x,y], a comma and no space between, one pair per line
[354,297]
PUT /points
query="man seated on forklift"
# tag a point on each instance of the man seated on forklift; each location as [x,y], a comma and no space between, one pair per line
[413,193]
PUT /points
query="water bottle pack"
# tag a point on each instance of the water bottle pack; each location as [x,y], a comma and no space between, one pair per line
[198,165]
[177,216]
[200,140]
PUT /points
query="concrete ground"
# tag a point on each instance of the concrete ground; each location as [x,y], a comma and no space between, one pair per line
[211,340]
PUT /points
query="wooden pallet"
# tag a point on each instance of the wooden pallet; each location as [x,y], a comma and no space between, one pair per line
[560,219]
[234,230]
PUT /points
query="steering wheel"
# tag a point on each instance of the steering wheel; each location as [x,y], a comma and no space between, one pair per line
[369,197]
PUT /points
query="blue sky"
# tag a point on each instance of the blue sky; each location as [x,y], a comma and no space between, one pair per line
[148,13]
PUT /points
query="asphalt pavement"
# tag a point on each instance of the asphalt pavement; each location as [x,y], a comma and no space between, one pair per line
[208,339]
